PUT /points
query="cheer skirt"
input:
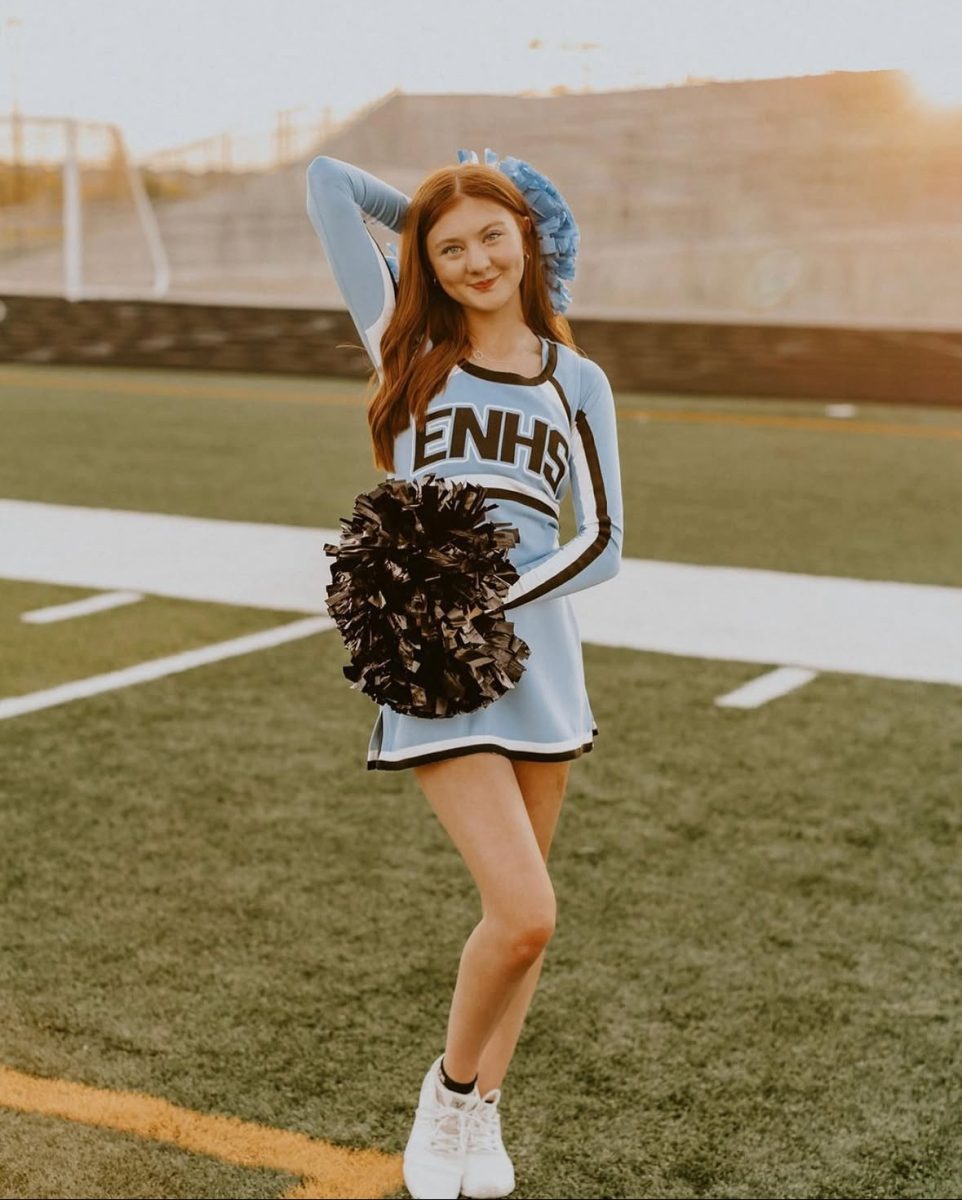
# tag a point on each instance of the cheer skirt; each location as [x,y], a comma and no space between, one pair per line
[545,717]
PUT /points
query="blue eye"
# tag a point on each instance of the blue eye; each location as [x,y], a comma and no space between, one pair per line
[493,233]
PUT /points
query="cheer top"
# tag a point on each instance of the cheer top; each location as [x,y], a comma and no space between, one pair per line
[526,439]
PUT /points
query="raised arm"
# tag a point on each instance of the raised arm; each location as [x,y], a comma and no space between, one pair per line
[338,193]
[594,554]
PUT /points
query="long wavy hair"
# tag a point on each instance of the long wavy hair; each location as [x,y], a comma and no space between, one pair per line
[411,373]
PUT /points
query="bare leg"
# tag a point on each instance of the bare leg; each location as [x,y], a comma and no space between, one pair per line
[478,800]
[500,1046]
[489,975]
[543,787]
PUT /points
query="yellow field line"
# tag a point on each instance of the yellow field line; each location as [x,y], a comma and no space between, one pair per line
[781,421]
[327,1171]
[204,391]
[198,391]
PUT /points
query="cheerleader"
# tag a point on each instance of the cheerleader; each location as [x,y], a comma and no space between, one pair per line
[479,381]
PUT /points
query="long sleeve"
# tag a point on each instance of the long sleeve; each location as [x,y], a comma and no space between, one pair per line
[594,554]
[338,193]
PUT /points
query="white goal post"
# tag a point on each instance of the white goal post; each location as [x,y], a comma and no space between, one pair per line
[75,217]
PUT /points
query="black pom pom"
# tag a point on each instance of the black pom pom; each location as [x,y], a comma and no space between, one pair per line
[417,585]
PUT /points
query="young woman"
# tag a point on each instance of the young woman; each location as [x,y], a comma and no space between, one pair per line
[479,379]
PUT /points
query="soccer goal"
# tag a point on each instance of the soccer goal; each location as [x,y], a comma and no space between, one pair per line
[75,217]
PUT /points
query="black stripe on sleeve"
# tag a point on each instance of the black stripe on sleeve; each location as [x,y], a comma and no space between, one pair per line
[590,553]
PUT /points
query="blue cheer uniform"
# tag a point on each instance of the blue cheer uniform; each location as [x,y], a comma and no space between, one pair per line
[527,440]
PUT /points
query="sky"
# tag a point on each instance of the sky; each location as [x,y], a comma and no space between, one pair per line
[169,72]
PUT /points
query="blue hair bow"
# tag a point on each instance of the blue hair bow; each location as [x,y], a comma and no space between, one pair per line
[390,255]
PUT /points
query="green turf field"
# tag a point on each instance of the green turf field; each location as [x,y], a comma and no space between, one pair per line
[753,987]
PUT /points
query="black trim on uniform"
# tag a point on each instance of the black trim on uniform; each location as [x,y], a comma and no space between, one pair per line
[507,494]
[510,376]
[419,760]
[562,397]
[590,553]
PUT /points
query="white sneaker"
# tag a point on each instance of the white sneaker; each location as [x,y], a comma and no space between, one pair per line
[437,1147]
[488,1171]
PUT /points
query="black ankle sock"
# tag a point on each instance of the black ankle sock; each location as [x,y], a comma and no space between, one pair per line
[453,1085]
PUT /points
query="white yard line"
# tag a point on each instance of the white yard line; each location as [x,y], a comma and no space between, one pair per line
[80,608]
[156,668]
[766,687]
[824,623]
[773,618]
[281,567]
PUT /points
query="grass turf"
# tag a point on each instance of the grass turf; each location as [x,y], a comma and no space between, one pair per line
[753,986]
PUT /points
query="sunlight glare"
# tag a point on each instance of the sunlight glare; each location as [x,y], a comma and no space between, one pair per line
[939,83]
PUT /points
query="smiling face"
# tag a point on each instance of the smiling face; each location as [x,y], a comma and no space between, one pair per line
[477,240]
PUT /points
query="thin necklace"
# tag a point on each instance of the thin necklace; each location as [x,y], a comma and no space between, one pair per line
[481,354]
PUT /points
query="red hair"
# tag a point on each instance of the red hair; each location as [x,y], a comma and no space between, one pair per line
[423,309]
